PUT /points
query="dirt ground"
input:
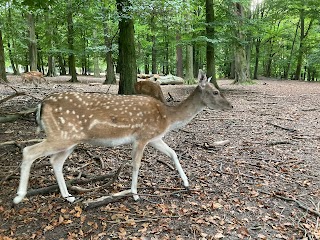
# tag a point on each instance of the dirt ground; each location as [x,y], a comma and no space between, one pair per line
[264,184]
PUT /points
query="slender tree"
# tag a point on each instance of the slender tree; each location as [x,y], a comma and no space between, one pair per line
[303,35]
[32,42]
[110,74]
[179,57]
[127,54]
[3,75]
[71,59]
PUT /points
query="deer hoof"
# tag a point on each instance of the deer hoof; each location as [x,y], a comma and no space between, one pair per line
[70,199]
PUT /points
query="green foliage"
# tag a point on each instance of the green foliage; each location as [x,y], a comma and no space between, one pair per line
[272,24]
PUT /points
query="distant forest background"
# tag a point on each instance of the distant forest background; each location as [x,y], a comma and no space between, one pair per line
[241,40]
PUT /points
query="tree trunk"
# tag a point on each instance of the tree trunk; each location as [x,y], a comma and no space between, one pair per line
[110,74]
[3,74]
[196,60]
[297,75]
[32,43]
[96,69]
[179,56]
[63,70]
[303,35]
[287,69]
[146,64]
[15,70]
[154,47]
[9,27]
[256,64]
[211,66]
[166,57]
[127,54]
[189,64]
[241,66]
[70,36]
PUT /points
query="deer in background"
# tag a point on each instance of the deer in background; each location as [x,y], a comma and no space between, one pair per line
[149,88]
[71,118]
[33,76]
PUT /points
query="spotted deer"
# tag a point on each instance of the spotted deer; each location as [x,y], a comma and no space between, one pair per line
[71,118]
[34,77]
[149,88]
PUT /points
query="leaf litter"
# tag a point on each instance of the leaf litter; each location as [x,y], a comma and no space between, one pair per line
[264,184]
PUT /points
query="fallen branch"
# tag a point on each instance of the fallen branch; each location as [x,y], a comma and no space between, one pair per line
[300,204]
[165,163]
[20,142]
[98,202]
[53,188]
[221,143]
[278,143]
[283,128]
[16,94]
[14,116]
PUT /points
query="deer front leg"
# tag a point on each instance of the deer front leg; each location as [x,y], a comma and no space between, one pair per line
[57,160]
[164,148]
[137,153]
[30,154]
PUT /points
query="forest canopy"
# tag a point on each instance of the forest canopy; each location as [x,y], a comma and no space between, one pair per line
[244,39]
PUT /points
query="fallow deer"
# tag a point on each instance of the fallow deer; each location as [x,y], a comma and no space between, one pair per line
[71,118]
[34,77]
[149,88]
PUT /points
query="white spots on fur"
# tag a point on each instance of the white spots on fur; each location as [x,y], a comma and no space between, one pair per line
[62,120]
[78,115]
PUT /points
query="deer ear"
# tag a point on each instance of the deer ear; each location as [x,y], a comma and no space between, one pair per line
[202,78]
[209,79]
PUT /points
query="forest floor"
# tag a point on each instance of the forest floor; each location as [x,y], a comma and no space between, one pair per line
[264,184]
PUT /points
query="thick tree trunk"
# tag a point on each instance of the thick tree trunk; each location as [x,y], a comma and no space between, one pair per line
[32,43]
[127,53]
[241,66]
[51,66]
[3,74]
[179,57]
[71,58]
[62,65]
[196,60]
[211,66]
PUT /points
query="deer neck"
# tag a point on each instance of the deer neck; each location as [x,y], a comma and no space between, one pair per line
[183,113]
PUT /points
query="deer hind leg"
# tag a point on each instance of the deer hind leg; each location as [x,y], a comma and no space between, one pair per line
[57,160]
[137,153]
[164,148]
[30,154]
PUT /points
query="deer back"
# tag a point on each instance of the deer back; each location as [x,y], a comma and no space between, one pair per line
[100,117]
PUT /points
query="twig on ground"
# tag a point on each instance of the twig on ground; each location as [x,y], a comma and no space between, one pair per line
[14,116]
[165,163]
[300,204]
[16,94]
[20,142]
[283,128]
[55,187]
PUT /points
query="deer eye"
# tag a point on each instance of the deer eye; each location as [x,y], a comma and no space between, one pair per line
[215,92]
